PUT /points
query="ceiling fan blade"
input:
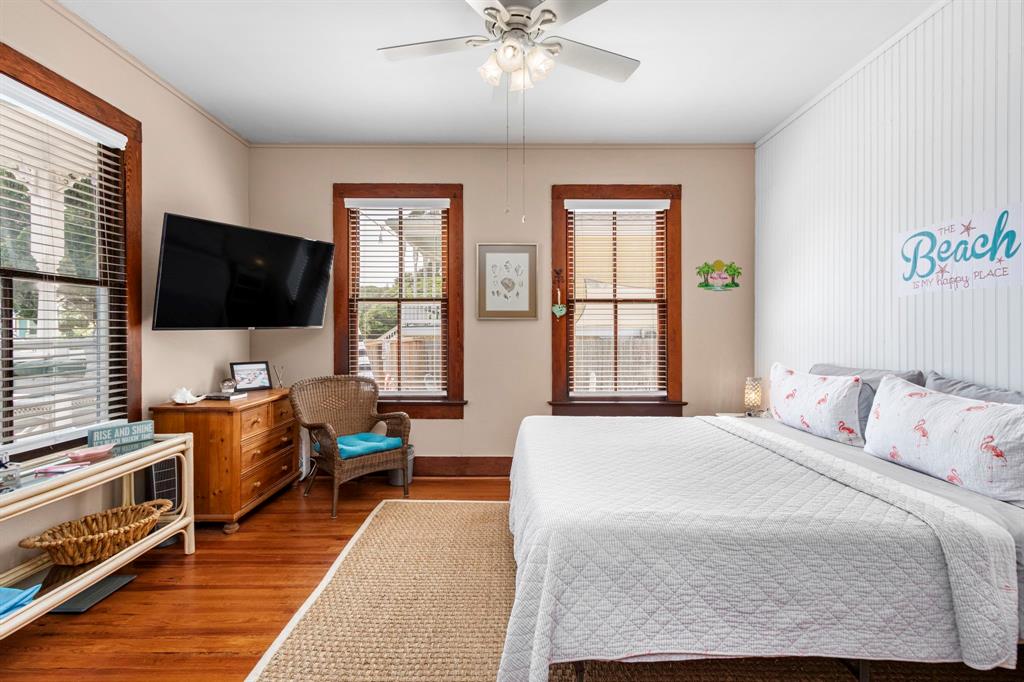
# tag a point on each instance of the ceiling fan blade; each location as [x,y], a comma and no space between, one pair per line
[432,47]
[565,10]
[593,60]
[486,8]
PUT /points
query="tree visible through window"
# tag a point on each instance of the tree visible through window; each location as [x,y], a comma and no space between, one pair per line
[63,321]
[400,293]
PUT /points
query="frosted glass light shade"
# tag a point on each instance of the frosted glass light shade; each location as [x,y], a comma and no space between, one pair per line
[520,80]
[490,71]
[752,394]
[510,55]
[540,63]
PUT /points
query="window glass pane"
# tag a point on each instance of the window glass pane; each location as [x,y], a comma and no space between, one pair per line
[61,362]
[15,224]
[421,236]
[378,338]
[378,254]
[79,257]
[422,355]
[593,348]
[639,351]
[639,252]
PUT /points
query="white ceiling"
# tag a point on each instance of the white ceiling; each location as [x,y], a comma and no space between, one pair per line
[306,71]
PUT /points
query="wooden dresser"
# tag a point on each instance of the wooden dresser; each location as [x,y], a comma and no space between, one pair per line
[245,450]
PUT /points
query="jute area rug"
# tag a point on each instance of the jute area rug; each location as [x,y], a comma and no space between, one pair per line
[423,593]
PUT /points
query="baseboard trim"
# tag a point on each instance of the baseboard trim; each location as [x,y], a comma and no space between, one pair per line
[461,466]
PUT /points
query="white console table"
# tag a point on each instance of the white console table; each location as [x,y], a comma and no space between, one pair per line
[38,493]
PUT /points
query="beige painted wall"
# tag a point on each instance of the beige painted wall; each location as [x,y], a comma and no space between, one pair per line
[508,363]
[190,165]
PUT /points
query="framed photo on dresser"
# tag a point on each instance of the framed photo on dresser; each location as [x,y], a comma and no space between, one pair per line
[251,376]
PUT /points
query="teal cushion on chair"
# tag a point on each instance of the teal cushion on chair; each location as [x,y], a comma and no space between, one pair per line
[359,444]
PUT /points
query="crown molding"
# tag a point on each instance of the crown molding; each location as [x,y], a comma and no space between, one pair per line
[106,42]
[502,147]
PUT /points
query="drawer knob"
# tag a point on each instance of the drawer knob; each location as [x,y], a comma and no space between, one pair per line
[257,420]
[257,452]
[284,467]
[257,484]
[285,439]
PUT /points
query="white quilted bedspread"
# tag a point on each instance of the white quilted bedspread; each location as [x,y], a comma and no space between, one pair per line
[653,538]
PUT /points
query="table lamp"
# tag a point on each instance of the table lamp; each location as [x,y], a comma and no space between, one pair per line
[752,395]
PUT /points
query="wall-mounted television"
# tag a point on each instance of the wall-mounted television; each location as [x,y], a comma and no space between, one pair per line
[218,276]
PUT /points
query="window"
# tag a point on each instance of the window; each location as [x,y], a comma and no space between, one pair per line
[69,305]
[615,259]
[398,293]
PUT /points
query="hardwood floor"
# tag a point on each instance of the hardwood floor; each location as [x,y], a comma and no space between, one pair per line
[210,616]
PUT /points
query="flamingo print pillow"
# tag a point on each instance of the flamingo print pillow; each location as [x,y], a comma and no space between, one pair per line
[975,444]
[823,405]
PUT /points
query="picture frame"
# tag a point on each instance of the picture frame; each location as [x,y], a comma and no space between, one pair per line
[506,281]
[251,376]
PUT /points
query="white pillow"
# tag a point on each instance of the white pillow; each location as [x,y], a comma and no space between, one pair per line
[974,444]
[823,405]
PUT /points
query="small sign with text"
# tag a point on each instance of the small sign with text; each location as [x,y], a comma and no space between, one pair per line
[979,251]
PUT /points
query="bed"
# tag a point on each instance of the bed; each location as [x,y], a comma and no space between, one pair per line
[642,539]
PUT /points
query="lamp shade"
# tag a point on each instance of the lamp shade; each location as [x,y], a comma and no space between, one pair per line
[752,394]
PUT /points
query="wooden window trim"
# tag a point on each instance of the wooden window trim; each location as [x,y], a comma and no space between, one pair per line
[450,407]
[670,404]
[56,87]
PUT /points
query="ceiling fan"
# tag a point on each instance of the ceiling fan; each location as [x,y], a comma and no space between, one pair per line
[522,48]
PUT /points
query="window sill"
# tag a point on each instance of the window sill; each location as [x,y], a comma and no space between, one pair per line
[423,408]
[618,408]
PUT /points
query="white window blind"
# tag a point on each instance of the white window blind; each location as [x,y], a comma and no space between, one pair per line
[63,315]
[398,301]
[617,299]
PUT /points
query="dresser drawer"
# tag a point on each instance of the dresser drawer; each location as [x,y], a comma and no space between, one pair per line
[258,448]
[281,411]
[260,480]
[255,419]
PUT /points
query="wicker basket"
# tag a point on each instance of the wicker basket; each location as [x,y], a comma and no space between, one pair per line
[98,536]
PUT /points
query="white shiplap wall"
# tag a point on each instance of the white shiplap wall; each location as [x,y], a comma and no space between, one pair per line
[927,129]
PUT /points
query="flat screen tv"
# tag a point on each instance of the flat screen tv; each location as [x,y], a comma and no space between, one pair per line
[217,276]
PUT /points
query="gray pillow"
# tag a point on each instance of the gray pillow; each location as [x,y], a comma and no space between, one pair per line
[968,389]
[870,379]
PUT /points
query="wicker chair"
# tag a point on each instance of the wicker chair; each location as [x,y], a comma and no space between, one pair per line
[342,405]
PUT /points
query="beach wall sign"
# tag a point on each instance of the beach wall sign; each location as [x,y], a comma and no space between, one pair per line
[979,251]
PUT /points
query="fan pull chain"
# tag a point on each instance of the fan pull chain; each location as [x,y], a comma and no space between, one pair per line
[523,180]
[508,144]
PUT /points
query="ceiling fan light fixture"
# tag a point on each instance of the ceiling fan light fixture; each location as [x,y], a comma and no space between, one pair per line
[490,71]
[520,80]
[510,54]
[539,62]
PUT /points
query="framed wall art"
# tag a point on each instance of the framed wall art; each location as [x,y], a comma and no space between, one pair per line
[506,281]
